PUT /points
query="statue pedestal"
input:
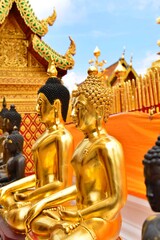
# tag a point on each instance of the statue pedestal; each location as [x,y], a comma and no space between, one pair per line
[31,236]
[6,233]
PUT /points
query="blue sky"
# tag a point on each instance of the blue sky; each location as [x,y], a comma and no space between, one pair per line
[111,25]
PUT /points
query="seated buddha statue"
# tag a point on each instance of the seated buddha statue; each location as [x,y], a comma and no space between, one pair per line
[151,162]
[11,120]
[4,133]
[100,190]
[15,167]
[52,153]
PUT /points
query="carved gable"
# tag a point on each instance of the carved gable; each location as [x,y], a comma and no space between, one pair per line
[21,74]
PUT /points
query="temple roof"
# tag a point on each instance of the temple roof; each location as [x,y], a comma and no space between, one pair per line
[111,71]
[21,14]
[39,27]
[62,62]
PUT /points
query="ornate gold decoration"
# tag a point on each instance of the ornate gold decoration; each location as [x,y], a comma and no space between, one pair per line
[120,71]
[23,62]
[13,53]
[92,88]
[6,6]
[141,94]
[64,62]
[52,71]
[99,65]
[37,26]
[51,19]
[95,61]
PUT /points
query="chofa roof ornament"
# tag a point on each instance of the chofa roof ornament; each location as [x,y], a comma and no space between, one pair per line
[39,27]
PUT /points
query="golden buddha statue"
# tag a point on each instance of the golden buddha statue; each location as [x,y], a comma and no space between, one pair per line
[52,153]
[100,191]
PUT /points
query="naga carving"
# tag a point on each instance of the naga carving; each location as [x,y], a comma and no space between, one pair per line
[64,62]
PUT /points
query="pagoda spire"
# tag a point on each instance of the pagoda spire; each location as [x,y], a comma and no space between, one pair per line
[95,62]
[123,53]
[131,60]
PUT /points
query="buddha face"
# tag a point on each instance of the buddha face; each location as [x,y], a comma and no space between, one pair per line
[7,125]
[152,182]
[11,146]
[83,114]
[44,108]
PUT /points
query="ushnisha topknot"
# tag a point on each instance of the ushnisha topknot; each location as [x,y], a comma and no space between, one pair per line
[95,91]
[54,89]
[13,116]
[4,108]
[153,154]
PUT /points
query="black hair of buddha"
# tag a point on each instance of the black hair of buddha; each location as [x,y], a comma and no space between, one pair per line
[54,89]
[13,116]
[17,139]
[3,112]
[152,157]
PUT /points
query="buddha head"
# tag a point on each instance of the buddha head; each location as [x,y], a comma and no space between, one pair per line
[91,102]
[151,164]
[14,143]
[12,119]
[151,228]
[52,101]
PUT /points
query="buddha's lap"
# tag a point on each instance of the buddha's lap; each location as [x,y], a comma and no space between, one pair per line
[96,227]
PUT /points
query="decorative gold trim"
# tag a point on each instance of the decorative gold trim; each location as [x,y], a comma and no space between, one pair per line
[63,62]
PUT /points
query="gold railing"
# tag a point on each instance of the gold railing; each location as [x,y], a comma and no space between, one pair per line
[142,94]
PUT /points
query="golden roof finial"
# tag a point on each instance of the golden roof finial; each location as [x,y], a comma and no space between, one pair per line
[51,19]
[120,68]
[4,103]
[95,61]
[120,71]
[131,60]
[158,21]
[52,71]
[123,53]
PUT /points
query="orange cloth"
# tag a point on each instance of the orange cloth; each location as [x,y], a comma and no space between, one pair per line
[76,134]
[137,133]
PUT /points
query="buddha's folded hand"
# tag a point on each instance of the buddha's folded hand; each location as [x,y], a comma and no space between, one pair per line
[68,215]
[34,211]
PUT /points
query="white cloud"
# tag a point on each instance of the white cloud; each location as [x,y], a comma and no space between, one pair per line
[42,8]
[71,11]
[71,79]
[145,63]
[142,4]
[68,11]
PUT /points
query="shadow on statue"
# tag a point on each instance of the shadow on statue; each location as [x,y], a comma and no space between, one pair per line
[151,162]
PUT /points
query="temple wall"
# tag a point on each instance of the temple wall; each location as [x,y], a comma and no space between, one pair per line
[31,129]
